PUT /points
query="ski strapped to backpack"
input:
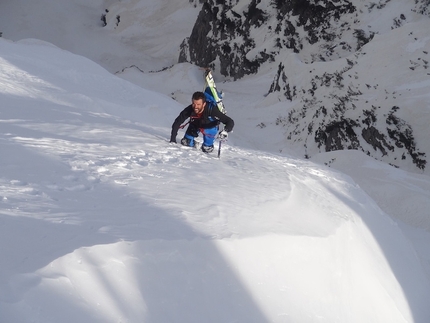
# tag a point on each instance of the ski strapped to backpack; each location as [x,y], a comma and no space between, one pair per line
[214,98]
[212,95]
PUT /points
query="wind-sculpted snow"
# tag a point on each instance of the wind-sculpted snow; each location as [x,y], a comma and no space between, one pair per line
[152,168]
[103,220]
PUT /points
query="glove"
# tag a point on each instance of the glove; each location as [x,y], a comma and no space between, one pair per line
[223,135]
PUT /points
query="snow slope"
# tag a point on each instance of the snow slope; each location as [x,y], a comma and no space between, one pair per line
[103,220]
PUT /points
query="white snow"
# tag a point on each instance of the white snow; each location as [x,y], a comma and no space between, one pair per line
[103,220]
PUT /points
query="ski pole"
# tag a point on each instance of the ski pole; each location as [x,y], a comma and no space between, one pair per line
[219,148]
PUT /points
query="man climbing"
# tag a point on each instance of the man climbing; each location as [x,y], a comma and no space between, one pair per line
[204,118]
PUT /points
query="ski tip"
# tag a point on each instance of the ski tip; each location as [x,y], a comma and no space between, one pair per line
[206,70]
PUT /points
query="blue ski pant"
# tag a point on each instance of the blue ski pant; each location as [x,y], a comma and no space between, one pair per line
[209,135]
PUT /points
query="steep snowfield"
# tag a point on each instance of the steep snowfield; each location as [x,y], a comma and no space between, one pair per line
[102,220]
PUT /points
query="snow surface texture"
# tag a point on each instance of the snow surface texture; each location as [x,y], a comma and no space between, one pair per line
[102,220]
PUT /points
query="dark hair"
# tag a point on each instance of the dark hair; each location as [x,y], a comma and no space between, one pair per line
[199,96]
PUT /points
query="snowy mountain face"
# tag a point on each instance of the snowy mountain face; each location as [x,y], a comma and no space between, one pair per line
[338,74]
[347,67]
[102,220]
[237,37]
